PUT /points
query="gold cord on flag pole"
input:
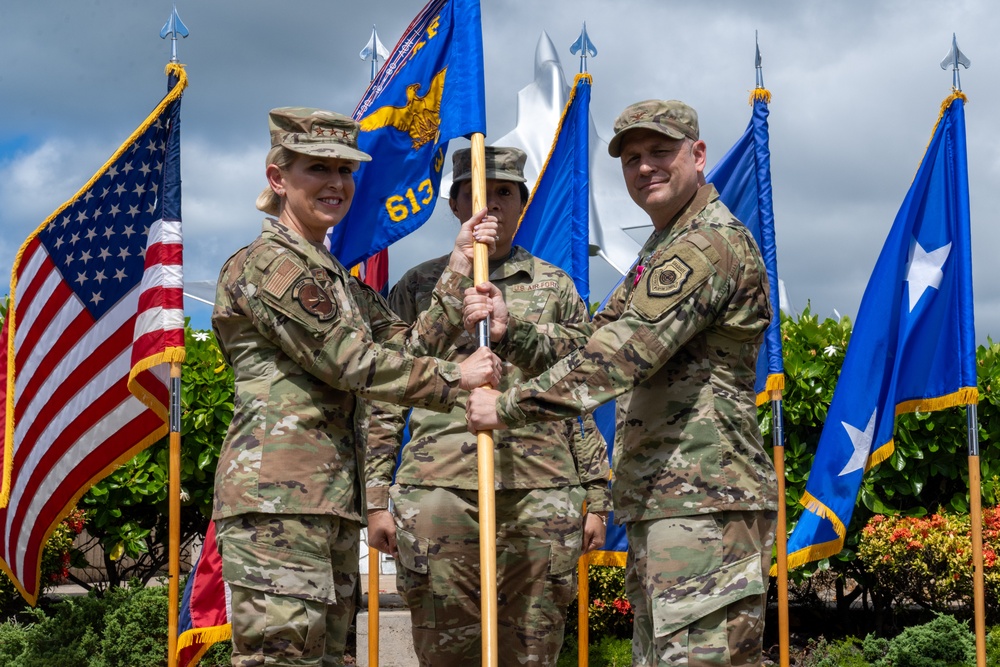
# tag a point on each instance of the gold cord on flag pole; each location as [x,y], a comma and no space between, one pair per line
[373,584]
[782,533]
[175,512]
[484,439]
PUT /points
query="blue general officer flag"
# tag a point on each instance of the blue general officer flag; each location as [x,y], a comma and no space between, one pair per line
[913,346]
[555,223]
[430,90]
[743,179]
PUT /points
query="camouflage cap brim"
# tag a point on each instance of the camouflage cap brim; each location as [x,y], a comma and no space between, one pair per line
[327,149]
[614,146]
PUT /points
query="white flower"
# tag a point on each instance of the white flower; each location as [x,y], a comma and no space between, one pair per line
[201,335]
[830,350]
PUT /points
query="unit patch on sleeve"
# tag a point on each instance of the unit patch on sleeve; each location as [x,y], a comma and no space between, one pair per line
[314,299]
[671,281]
[668,278]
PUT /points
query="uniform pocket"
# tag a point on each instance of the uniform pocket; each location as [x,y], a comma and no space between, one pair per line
[699,596]
[413,578]
[271,569]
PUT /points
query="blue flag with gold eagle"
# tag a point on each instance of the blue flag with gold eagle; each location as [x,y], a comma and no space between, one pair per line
[430,90]
[913,345]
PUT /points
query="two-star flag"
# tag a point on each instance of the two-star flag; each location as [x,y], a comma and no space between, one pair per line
[743,179]
[913,345]
[96,308]
[430,90]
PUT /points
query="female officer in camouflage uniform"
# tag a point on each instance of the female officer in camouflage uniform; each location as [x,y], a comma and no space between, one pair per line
[305,341]
[543,471]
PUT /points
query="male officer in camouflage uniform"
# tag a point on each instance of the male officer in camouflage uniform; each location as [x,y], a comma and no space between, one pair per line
[677,344]
[543,471]
[305,339]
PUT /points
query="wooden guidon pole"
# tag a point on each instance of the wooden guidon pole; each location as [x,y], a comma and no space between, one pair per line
[976,517]
[174,531]
[374,570]
[484,439]
[777,431]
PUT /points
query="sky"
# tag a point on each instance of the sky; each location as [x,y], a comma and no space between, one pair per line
[856,89]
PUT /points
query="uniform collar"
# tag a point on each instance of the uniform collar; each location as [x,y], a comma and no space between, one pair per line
[705,195]
[285,237]
[519,260]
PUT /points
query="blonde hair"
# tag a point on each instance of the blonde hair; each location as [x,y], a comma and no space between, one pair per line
[268,201]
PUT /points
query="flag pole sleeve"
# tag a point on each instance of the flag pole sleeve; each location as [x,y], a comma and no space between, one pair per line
[782,536]
[175,512]
[374,570]
[484,439]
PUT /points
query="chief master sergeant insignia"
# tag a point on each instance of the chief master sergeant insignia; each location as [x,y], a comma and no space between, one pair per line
[314,299]
[668,278]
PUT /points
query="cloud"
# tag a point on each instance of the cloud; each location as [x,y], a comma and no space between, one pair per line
[856,90]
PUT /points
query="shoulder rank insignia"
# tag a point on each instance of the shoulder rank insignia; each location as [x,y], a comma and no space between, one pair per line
[668,278]
[314,299]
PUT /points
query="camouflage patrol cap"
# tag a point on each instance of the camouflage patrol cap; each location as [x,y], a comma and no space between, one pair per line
[315,132]
[670,117]
[503,163]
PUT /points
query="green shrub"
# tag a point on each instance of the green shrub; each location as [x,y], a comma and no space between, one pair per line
[610,613]
[929,560]
[137,628]
[13,641]
[838,653]
[68,635]
[943,642]
[57,554]
[608,652]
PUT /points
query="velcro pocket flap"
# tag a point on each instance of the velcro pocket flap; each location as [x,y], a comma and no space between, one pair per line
[699,596]
[271,569]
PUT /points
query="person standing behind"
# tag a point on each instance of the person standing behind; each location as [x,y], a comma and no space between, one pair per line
[544,472]
[306,341]
[677,343]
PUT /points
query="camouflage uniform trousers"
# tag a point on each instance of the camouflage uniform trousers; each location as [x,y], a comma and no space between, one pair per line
[539,540]
[294,585]
[698,585]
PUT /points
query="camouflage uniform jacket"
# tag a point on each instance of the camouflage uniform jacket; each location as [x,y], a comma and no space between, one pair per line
[678,344]
[305,340]
[441,451]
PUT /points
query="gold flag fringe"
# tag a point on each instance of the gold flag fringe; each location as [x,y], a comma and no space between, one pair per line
[775,382]
[606,558]
[760,95]
[207,636]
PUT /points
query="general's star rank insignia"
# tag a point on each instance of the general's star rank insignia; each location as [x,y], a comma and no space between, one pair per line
[314,299]
[668,278]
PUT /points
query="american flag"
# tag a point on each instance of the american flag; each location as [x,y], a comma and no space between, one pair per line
[96,304]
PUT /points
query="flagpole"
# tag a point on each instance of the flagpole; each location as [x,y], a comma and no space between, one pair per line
[976,516]
[173,29]
[374,568]
[583,612]
[175,512]
[373,52]
[778,439]
[484,439]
